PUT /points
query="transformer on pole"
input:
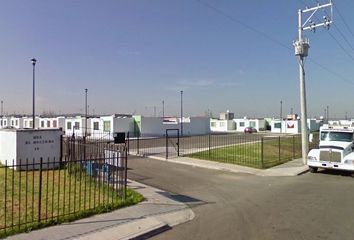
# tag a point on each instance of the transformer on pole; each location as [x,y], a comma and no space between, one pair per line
[302,46]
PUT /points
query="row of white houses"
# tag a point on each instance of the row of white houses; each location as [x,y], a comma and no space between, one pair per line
[275,125]
[105,126]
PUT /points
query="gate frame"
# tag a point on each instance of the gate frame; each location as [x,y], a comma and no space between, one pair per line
[172,129]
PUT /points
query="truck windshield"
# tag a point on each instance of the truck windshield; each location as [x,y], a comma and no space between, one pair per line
[337,136]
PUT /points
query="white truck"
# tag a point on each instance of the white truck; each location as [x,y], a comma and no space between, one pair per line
[336,149]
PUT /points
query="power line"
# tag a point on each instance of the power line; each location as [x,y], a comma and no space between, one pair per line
[345,22]
[272,39]
[244,25]
[341,46]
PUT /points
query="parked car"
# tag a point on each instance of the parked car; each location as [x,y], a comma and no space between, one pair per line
[250,130]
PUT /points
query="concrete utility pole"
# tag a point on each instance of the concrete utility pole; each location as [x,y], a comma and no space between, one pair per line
[2,108]
[301,50]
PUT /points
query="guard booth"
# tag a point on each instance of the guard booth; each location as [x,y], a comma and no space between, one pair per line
[28,149]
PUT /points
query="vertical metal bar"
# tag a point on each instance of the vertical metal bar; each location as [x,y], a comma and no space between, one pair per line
[46,200]
[90,178]
[262,153]
[12,195]
[166,144]
[5,205]
[26,194]
[293,147]
[178,143]
[138,144]
[19,194]
[128,140]
[58,209]
[64,188]
[279,148]
[125,175]
[75,182]
[40,191]
[33,165]
[209,145]
[53,178]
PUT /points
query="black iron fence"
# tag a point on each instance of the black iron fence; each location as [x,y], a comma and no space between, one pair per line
[255,150]
[36,192]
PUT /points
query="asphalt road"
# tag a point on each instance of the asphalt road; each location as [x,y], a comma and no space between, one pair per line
[241,206]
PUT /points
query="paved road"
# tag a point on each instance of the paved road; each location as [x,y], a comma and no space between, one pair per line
[242,206]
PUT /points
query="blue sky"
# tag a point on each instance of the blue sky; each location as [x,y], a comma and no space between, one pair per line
[132,54]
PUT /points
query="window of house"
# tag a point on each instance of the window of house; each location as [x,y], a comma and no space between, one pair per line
[213,124]
[68,125]
[106,126]
[222,124]
[77,125]
[95,126]
[55,123]
[277,125]
[48,124]
[252,124]
[1,122]
[16,122]
[242,124]
[12,122]
[42,124]
[31,124]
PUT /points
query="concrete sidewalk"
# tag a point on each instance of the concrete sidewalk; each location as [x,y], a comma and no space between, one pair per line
[291,168]
[159,212]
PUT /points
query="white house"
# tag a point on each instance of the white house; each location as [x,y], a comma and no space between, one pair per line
[4,122]
[51,122]
[16,122]
[218,125]
[293,126]
[242,123]
[157,126]
[105,126]
[28,121]
[76,125]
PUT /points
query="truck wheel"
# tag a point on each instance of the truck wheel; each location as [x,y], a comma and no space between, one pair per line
[313,169]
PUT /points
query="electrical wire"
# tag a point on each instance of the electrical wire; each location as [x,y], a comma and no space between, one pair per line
[233,19]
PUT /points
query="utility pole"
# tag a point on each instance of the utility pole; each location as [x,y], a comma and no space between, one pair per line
[33,60]
[301,50]
[327,112]
[281,116]
[163,109]
[2,108]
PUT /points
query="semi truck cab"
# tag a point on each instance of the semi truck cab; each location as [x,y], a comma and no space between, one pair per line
[335,149]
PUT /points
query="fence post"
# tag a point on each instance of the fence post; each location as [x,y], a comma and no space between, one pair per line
[293,147]
[279,147]
[262,156]
[178,143]
[166,145]
[209,145]
[126,174]
[40,190]
[137,144]
[128,142]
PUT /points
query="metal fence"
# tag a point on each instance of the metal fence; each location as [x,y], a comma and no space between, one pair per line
[89,177]
[255,150]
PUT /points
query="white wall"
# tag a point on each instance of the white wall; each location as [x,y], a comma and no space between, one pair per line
[31,144]
[222,125]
